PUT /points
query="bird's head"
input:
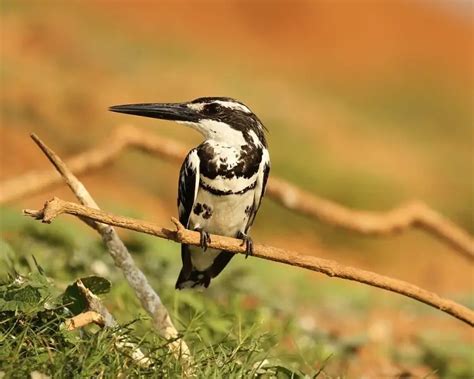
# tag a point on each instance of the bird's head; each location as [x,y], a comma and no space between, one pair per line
[217,118]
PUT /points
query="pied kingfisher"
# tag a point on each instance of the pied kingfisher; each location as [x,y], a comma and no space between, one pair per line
[222,181]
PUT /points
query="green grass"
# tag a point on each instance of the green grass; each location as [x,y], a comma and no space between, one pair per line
[227,337]
[33,338]
[252,321]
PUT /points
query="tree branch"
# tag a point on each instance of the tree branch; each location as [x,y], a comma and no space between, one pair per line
[83,319]
[56,207]
[413,214]
[149,299]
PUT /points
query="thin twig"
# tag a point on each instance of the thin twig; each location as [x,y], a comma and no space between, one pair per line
[149,299]
[415,214]
[83,319]
[97,313]
[56,207]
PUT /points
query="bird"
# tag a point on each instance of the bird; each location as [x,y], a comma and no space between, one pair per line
[222,181]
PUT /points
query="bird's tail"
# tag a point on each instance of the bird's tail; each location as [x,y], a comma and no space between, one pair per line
[189,277]
[196,279]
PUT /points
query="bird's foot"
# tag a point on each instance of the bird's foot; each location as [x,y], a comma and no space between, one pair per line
[205,239]
[248,243]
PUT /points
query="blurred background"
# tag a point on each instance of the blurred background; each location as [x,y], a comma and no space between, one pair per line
[368,103]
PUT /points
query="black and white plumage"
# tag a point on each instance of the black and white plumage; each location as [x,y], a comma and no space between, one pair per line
[222,181]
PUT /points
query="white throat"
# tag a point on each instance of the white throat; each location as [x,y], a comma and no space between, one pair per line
[217,131]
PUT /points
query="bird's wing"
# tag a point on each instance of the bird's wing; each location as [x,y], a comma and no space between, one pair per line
[187,191]
[259,188]
[188,186]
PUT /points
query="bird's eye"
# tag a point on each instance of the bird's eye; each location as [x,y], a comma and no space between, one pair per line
[213,108]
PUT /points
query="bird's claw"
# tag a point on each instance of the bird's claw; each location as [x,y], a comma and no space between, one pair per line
[205,239]
[248,243]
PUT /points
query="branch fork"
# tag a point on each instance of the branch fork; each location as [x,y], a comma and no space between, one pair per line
[149,299]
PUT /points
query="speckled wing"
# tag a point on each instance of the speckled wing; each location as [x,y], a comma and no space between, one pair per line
[188,186]
[187,191]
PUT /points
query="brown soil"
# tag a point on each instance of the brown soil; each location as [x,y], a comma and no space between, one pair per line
[343,38]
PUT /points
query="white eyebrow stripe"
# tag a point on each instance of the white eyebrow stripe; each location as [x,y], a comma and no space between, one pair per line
[227,104]
[233,105]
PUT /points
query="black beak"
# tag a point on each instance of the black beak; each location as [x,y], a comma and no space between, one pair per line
[173,111]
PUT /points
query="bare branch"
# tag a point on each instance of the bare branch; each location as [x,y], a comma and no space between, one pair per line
[414,214]
[56,207]
[149,299]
